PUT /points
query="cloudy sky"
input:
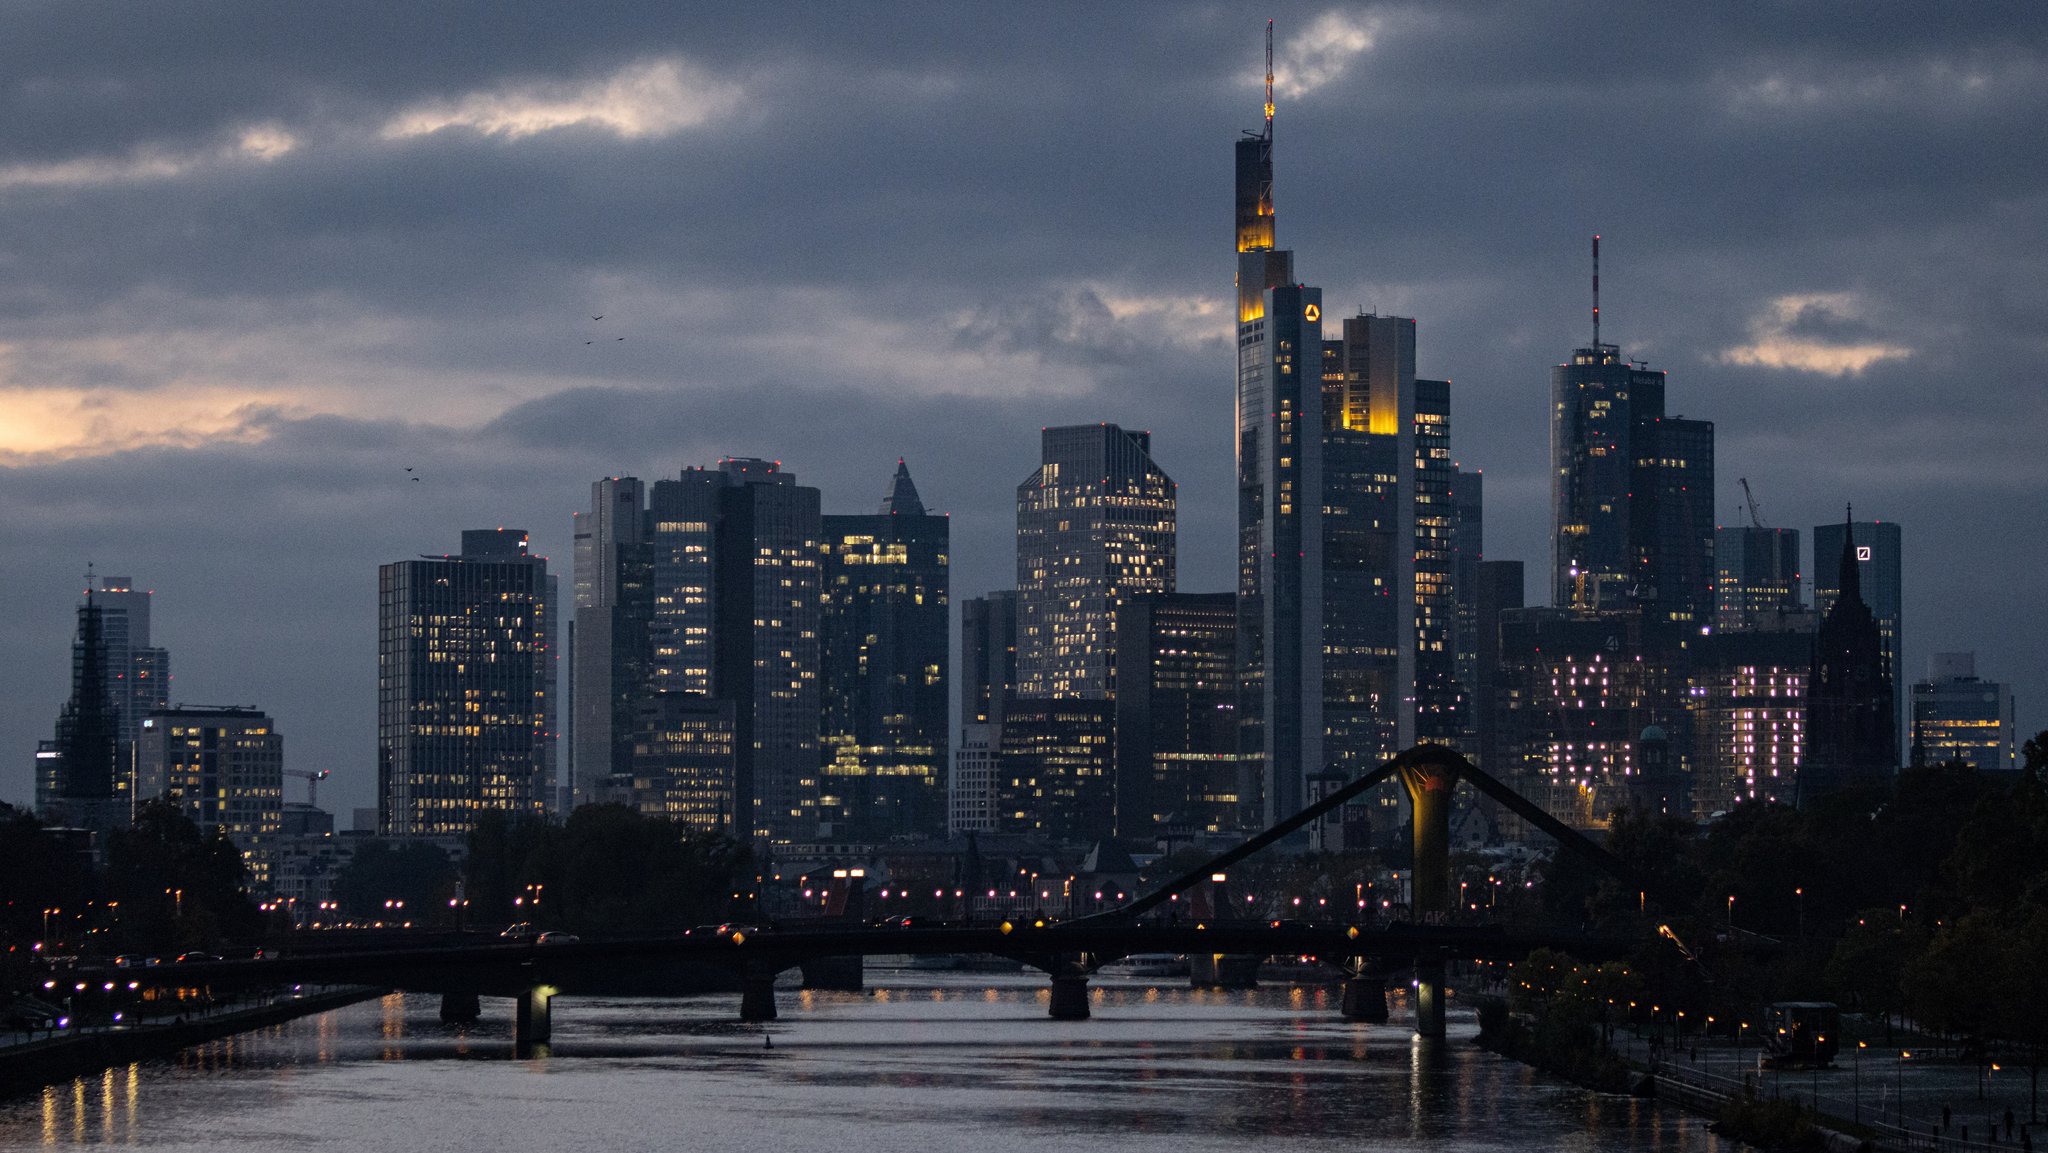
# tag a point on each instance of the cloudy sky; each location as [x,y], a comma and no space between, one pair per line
[256,260]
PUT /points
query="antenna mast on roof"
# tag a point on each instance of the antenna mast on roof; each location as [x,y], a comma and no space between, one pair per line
[1596,292]
[1269,79]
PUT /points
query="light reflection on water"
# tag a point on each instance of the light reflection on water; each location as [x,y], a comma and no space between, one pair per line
[923,1061]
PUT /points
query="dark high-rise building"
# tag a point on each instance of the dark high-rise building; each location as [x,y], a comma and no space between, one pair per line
[1880,560]
[1468,551]
[1852,740]
[1499,590]
[1675,525]
[1095,526]
[80,782]
[1176,715]
[1959,717]
[1757,586]
[464,665]
[1631,490]
[610,659]
[1054,770]
[884,663]
[136,678]
[988,656]
[1368,579]
[1438,708]
[710,590]
[739,596]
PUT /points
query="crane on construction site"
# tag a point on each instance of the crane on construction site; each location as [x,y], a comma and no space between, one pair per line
[312,779]
[1756,517]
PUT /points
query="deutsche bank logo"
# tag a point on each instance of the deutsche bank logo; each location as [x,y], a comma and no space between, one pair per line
[1862,552]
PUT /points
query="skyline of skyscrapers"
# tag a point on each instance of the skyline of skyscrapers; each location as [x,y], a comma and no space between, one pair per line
[741,660]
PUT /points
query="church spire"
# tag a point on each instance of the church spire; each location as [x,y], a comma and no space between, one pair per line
[1851,580]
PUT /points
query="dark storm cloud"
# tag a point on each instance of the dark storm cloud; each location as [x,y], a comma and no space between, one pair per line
[244,282]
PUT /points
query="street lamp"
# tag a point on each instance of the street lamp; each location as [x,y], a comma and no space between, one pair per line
[1800,894]
[1731,910]
[1856,1079]
[1903,1056]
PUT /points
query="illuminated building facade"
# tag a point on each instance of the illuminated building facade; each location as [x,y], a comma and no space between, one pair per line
[1176,753]
[1368,581]
[1095,526]
[1958,717]
[704,585]
[1747,694]
[1279,419]
[1575,694]
[972,796]
[1438,702]
[682,767]
[223,768]
[1757,581]
[884,656]
[738,613]
[464,676]
[1054,770]
[1880,559]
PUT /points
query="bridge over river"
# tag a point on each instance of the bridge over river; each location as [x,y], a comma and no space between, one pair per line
[748,958]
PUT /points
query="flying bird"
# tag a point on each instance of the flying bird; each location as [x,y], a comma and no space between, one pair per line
[597,318]
[619,338]
[408,468]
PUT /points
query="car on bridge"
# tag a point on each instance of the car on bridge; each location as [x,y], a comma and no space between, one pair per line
[556,937]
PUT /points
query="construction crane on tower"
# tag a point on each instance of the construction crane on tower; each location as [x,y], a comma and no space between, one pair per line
[312,779]
[1756,517]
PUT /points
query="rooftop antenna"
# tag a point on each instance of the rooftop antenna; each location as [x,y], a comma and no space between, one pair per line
[1269,79]
[1596,292]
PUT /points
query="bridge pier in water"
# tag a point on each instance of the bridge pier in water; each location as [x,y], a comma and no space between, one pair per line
[461,1008]
[1069,988]
[757,997]
[533,1023]
[1365,996]
[1430,784]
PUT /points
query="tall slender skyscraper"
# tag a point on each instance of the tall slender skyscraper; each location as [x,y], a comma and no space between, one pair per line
[611,665]
[1095,526]
[884,659]
[463,681]
[1631,489]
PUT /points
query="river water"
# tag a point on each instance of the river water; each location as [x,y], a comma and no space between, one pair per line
[922,1062]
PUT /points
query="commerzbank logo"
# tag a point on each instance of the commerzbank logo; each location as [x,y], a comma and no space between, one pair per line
[1312,313]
